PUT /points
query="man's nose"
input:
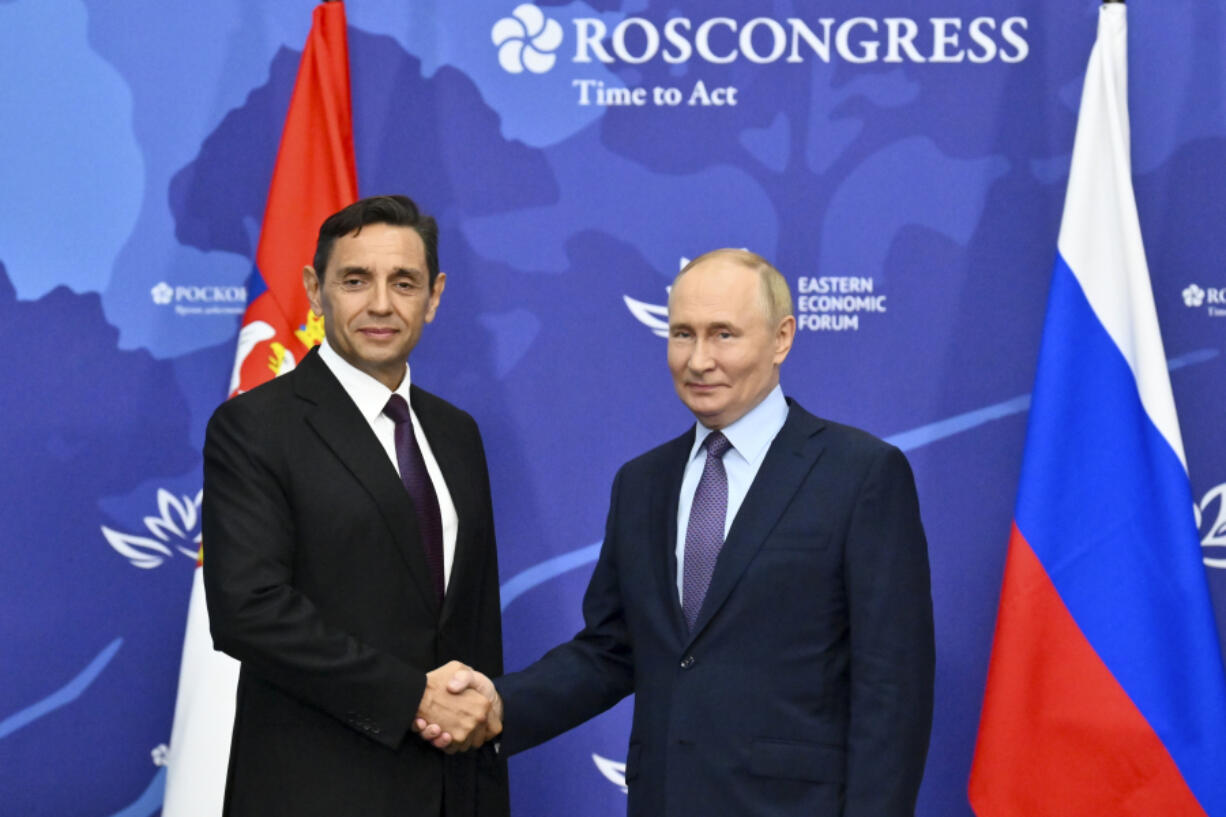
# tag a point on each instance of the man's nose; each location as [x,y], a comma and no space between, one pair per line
[700,356]
[380,299]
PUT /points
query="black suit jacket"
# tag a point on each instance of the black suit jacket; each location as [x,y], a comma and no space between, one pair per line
[805,687]
[317,582]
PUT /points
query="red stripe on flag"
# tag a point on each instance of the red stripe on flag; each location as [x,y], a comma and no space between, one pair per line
[1058,735]
[315,175]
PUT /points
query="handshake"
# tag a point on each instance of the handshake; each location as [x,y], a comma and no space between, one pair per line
[460,709]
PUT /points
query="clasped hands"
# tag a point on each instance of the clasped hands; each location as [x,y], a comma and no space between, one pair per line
[459,710]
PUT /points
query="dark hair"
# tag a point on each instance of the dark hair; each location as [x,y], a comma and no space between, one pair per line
[398,211]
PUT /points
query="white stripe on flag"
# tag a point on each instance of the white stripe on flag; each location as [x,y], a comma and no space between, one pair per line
[204,716]
[1100,236]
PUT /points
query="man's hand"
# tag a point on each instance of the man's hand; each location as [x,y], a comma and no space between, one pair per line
[454,717]
[461,682]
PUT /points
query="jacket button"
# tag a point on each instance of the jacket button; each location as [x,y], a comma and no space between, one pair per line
[687,662]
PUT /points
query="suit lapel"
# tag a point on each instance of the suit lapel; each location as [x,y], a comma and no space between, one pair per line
[341,426]
[458,473]
[790,458]
[663,524]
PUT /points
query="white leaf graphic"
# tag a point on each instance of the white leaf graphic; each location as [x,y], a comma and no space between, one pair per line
[509,56]
[532,18]
[139,550]
[653,317]
[508,28]
[536,62]
[550,38]
[178,525]
[182,520]
[612,770]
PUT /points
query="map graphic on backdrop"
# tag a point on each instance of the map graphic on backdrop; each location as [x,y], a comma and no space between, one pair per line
[912,204]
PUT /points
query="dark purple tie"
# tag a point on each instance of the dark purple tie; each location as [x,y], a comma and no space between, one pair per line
[417,482]
[705,535]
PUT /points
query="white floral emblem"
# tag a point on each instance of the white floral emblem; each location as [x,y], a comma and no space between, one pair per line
[653,317]
[1193,295]
[526,40]
[162,293]
[613,771]
[160,754]
[177,527]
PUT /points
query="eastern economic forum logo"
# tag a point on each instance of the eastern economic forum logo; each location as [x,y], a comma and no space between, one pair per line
[528,41]
[828,303]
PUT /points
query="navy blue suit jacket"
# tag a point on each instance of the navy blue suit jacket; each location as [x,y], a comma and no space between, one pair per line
[805,687]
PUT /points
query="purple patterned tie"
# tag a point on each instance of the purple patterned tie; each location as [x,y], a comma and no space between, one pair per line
[416,480]
[705,535]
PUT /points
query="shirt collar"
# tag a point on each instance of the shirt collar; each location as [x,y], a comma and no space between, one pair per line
[367,393]
[753,432]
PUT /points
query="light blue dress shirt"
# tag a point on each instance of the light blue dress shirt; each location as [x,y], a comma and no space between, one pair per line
[751,437]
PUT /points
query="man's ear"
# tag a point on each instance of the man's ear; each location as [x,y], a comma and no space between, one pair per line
[784,335]
[436,292]
[312,285]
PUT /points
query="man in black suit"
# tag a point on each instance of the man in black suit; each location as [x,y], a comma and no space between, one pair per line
[351,548]
[762,589]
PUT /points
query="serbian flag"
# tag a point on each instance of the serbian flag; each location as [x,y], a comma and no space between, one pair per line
[314,176]
[1106,693]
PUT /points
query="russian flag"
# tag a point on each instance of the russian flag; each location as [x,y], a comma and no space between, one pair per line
[1106,692]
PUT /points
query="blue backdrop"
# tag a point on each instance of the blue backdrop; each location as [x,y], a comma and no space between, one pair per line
[902,162]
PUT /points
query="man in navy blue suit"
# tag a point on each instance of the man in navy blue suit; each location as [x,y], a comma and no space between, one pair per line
[762,589]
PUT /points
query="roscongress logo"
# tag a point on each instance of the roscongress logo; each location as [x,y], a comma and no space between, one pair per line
[526,40]
[1212,298]
[201,300]
[1193,295]
[162,294]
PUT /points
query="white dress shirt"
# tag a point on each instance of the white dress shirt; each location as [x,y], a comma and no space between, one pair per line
[750,437]
[370,396]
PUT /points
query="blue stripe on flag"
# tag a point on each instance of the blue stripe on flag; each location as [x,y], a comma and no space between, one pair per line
[1107,507]
[255,284]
